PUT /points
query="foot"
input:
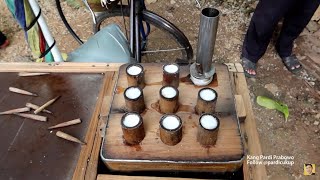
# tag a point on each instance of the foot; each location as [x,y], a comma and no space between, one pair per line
[5,44]
[292,63]
[249,67]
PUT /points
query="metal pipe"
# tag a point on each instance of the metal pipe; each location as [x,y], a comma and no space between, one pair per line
[207,37]
[202,71]
[132,26]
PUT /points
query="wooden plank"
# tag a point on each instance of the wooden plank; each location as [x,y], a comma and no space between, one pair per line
[92,167]
[241,111]
[86,151]
[239,67]
[120,177]
[150,166]
[231,67]
[249,130]
[228,147]
[67,67]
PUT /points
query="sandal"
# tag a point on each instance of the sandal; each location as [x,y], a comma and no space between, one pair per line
[292,63]
[247,66]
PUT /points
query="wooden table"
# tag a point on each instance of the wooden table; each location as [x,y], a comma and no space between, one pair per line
[86,164]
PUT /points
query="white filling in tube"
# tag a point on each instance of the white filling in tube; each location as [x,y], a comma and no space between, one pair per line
[168,92]
[171,68]
[207,94]
[131,120]
[134,70]
[208,122]
[170,122]
[133,93]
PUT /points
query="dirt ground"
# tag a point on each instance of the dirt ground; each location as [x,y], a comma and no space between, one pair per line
[298,137]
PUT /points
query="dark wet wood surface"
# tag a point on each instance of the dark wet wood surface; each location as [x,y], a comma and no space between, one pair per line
[27,149]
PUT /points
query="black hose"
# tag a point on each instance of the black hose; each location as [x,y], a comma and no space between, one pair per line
[65,22]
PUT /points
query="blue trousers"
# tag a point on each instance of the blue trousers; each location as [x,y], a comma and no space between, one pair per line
[295,13]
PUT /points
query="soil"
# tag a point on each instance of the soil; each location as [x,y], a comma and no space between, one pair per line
[299,136]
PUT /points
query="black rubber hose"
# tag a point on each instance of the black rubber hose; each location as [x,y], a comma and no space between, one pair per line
[65,22]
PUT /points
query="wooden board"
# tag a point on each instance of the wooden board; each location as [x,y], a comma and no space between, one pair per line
[152,154]
[28,150]
[120,177]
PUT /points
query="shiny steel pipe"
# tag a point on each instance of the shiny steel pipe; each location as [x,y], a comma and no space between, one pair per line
[202,71]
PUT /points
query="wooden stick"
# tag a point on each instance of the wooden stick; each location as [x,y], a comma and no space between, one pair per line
[68,137]
[21,91]
[33,106]
[24,74]
[67,123]
[32,116]
[19,110]
[45,105]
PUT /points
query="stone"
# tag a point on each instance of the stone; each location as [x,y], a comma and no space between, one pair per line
[316,123]
[272,88]
[313,26]
[307,123]
[172,2]
[317,116]
[312,101]
[237,41]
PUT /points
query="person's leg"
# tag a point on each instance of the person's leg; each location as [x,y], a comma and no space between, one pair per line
[295,21]
[263,22]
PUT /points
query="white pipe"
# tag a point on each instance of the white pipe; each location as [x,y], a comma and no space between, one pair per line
[46,33]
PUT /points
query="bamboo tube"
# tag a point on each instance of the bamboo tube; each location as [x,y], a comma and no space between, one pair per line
[25,74]
[69,137]
[132,128]
[170,129]
[169,97]
[208,129]
[67,123]
[21,91]
[135,75]
[45,105]
[19,110]
[171,75]
[207,100]
[35,107]
[32,116]
[134,99]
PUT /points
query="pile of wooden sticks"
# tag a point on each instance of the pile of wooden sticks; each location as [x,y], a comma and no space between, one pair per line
[22,112]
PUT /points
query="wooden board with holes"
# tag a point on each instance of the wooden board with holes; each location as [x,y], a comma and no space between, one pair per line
[188,155]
